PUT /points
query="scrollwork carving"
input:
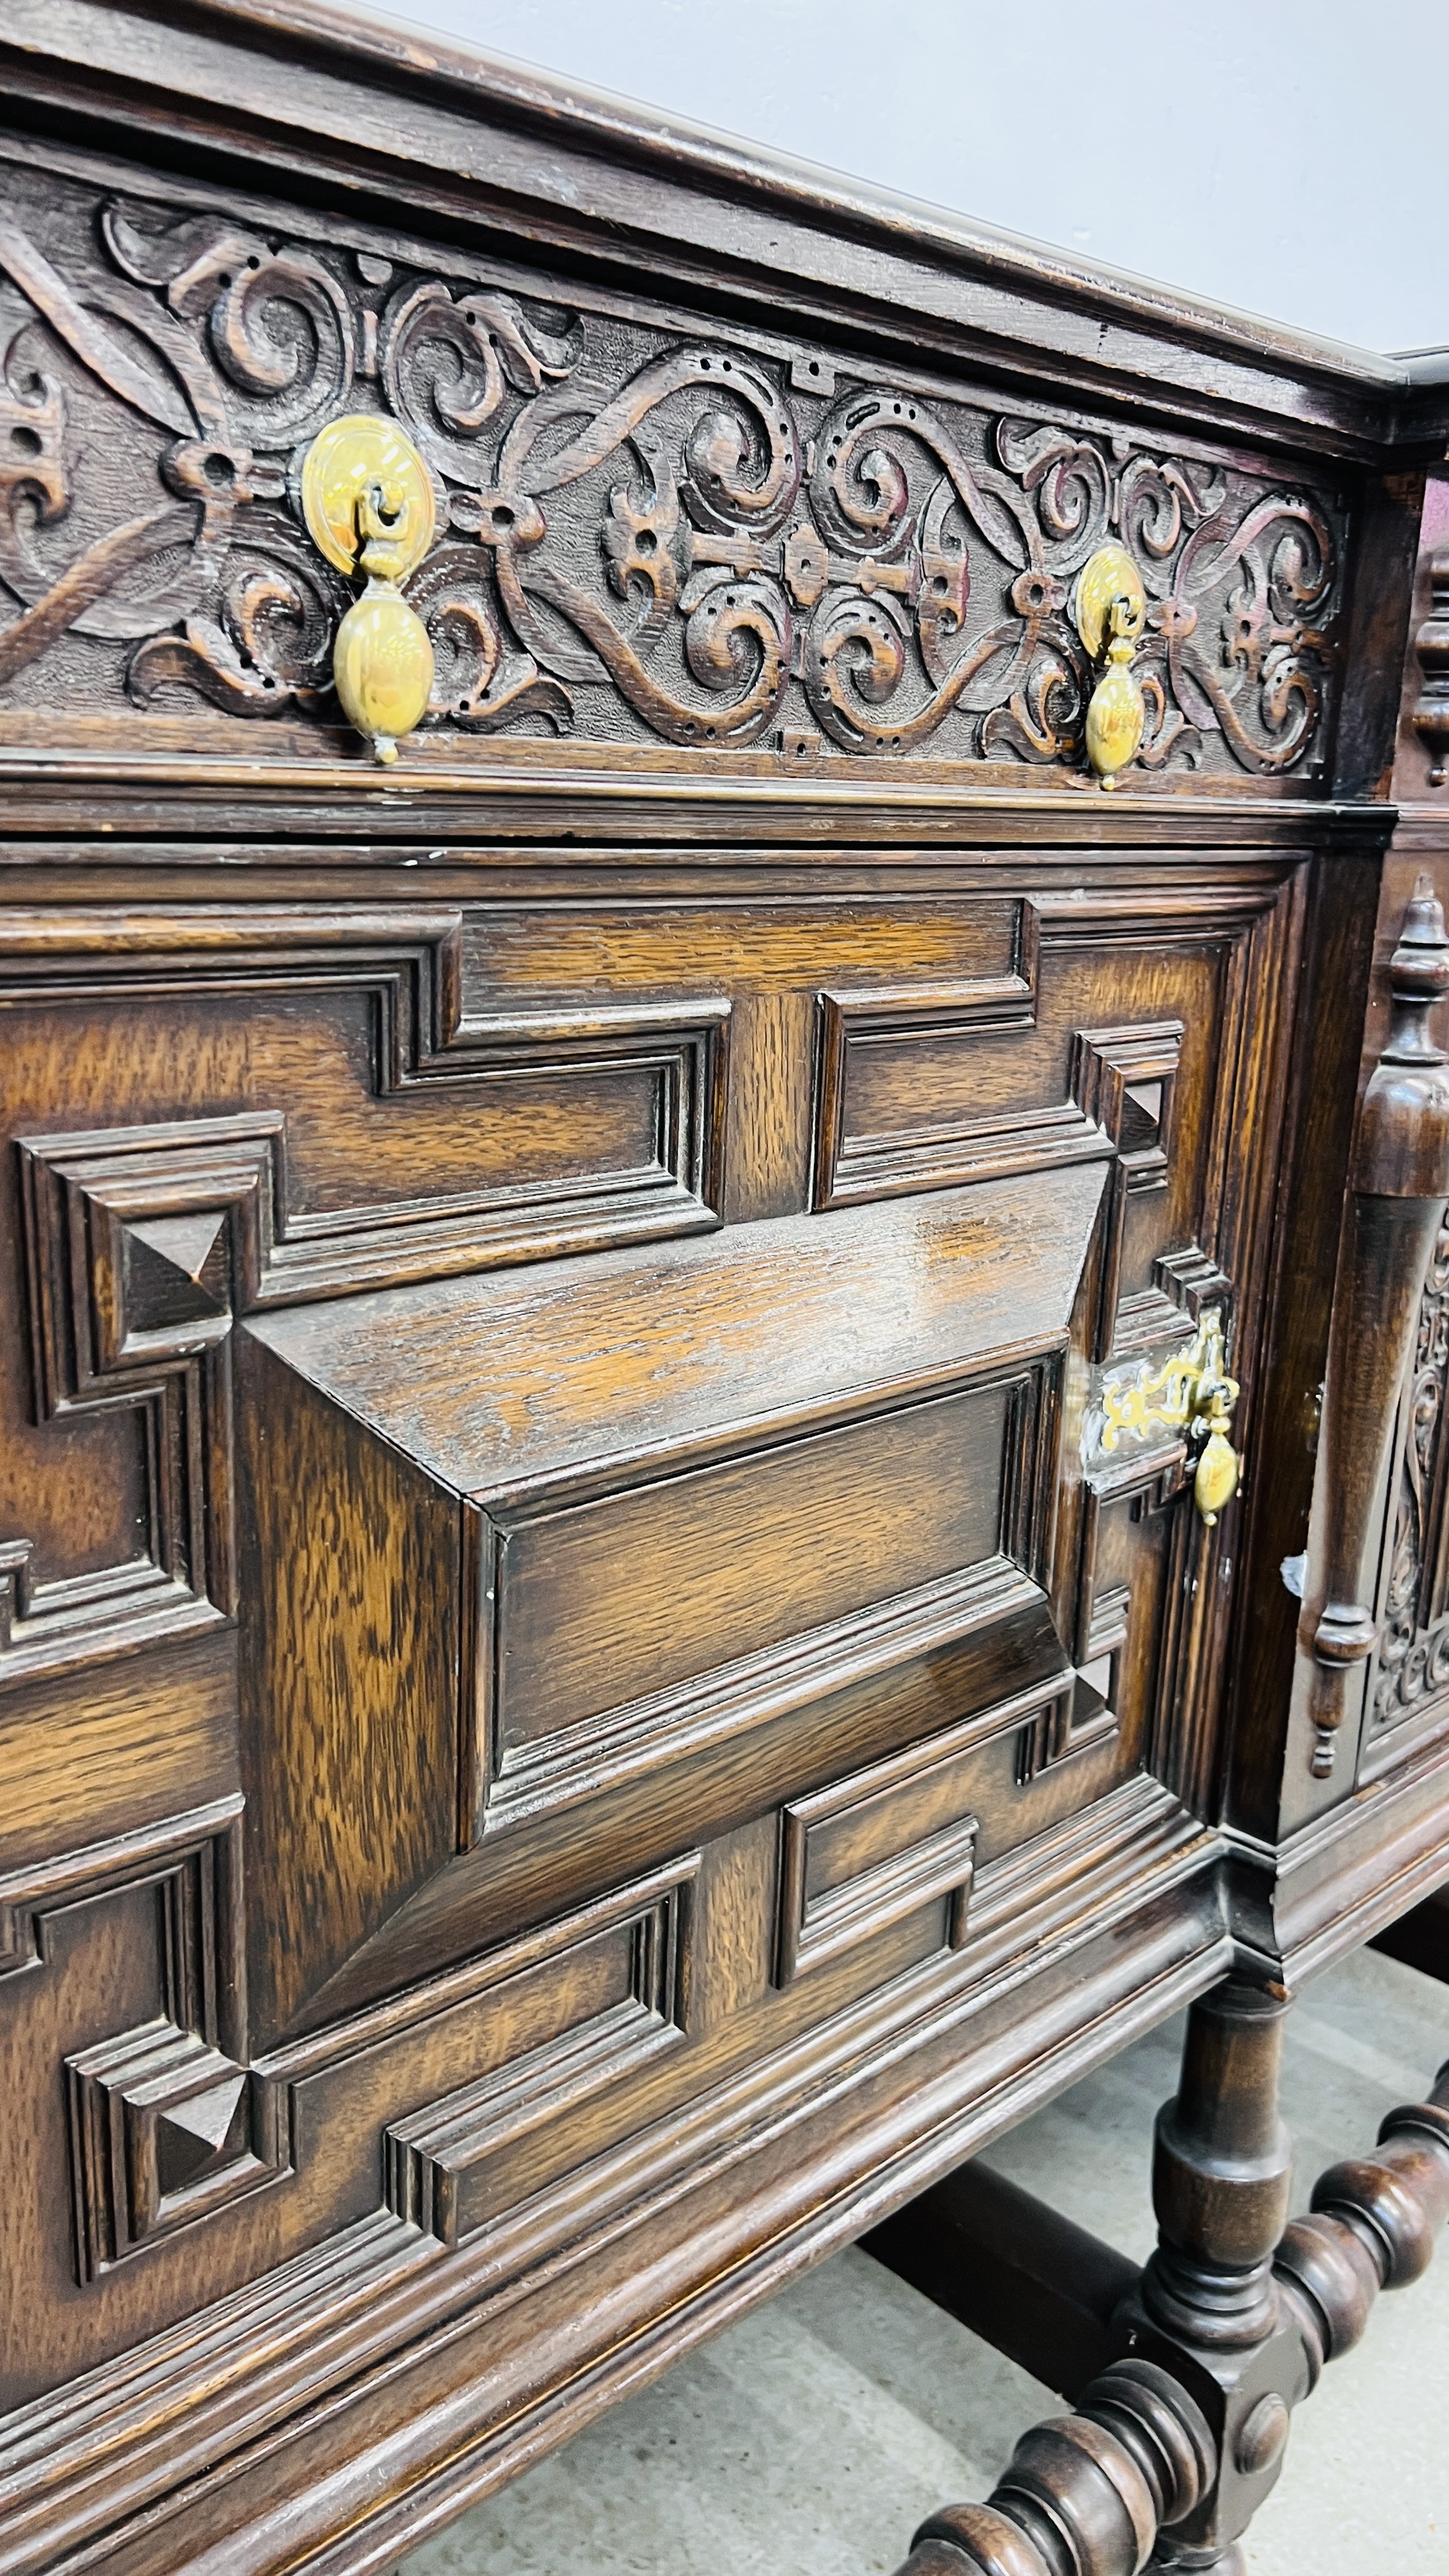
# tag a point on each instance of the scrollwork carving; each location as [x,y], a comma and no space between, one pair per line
[479,682]
[639,539]
[448,359]
[269,651]
[276,321]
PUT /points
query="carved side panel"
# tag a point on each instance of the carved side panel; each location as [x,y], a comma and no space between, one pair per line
[647,534]
[1412,1667]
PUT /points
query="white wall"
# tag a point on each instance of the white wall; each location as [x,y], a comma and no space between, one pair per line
[1272,154]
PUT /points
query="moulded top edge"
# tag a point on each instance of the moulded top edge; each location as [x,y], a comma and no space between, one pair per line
[589,129]
[709,153]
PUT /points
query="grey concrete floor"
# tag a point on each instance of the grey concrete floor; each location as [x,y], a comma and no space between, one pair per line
[810,2438]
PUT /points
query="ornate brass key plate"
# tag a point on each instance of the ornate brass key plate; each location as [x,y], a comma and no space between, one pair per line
[1191,1391]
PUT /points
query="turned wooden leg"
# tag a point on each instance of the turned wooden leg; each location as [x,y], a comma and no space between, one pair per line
[1222,2168]
[1177,2440]
[1222,2171]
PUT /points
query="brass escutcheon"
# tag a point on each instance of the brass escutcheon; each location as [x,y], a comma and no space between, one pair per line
[1109,609]
[1191,1392]
[370,507]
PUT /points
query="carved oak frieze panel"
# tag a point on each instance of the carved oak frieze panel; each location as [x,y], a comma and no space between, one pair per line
[644,537]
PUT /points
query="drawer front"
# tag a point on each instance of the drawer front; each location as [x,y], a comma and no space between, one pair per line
[656,536]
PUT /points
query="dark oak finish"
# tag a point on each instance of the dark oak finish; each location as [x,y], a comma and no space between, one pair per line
[607,1660]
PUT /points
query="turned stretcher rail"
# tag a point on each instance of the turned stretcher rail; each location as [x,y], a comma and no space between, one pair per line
[1181,2376]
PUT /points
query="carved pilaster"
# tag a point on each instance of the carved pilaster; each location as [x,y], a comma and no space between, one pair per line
[1399,1183]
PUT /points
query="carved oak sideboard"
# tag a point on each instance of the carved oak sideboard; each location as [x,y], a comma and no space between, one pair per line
[725,1295]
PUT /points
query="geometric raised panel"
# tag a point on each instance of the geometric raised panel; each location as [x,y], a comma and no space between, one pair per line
[164,2121]
[145,1242]
[744,1693]
[1105,1637]
[1040,1064]
[872,1039]
[638,1625]
[893,1113]
[193,1863]
[881,1844]
[161,2135]
[464,2158]
[1085,1713]
[882,1126]
[643,1583]
[170,2120]
[1123,1080]
[829,1462]
[175,1268]
[133,1251]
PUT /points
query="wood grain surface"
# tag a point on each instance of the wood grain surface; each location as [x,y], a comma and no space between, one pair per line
[585,1705]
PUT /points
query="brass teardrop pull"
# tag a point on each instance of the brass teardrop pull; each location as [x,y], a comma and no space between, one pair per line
[369,504]
[1109,609]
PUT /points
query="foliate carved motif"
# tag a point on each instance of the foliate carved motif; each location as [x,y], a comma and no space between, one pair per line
[639,538]
[1413,1655]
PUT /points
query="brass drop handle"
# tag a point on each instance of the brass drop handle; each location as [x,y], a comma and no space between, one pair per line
[1109,610]
[369,504]
[1190,1392]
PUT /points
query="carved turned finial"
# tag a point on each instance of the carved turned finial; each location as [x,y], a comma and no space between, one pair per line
[1419,966]
[1400,1182]
[1431,644]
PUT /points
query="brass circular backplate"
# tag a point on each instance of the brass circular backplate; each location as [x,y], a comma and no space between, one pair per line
[368,498]
[1110,574]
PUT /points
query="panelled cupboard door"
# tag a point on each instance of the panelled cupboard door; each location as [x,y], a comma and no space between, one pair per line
[572,1584]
